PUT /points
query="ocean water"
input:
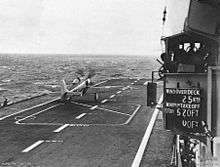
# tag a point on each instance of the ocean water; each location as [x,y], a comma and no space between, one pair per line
[26,75]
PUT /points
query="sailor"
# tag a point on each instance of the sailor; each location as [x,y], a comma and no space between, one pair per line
[179,54]
[5,103]
[168,63]
[199,58]
[191,53]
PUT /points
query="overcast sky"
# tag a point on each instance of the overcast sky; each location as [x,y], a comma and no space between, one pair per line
[80,26]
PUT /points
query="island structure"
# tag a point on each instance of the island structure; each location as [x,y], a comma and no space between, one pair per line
[190,70]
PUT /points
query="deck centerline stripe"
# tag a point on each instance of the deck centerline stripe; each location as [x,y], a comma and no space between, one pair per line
[81,115]
[82,104]
[105,109]
[33,146]
[94,107]
[61,128]
[103,101]
[112,96]
[145,83]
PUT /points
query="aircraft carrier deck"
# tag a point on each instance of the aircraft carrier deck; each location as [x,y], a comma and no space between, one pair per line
[85,133]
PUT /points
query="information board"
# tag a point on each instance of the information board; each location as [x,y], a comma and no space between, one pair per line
[186,107]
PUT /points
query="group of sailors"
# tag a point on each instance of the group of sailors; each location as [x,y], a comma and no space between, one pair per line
[187,152]
[195,58]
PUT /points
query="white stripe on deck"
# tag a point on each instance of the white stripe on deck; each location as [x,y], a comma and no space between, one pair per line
[81,115]
[100,83]
[94,107]
[103,101]
[61,128]
[133,114]
[29,116]
[127,87]
[112,96]
[145,139]
[33,146]
[132,83]
[145,83]
[107,87]
[27,109]
[118,92]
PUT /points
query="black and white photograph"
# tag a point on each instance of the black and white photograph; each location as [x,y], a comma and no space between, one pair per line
[109,83]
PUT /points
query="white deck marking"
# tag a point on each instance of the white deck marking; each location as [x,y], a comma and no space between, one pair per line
[100,83]
[33,146]
[54,141]
[112,96]
[17,122]
[107,87]
[145,83]
[135,81]
[132,83]
[103,101]
[80,125]
[45,124]
[127,87]
[113,111]
[81,104]
[94,107]
[28,109]
[81,115]
[119,92]
[124,88]
[61,128]
[133,114]
[104,109]
[145,139]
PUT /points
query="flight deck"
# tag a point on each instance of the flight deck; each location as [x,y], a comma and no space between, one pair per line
[81,132]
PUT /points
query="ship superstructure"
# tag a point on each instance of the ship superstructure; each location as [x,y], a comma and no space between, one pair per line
[191,75]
